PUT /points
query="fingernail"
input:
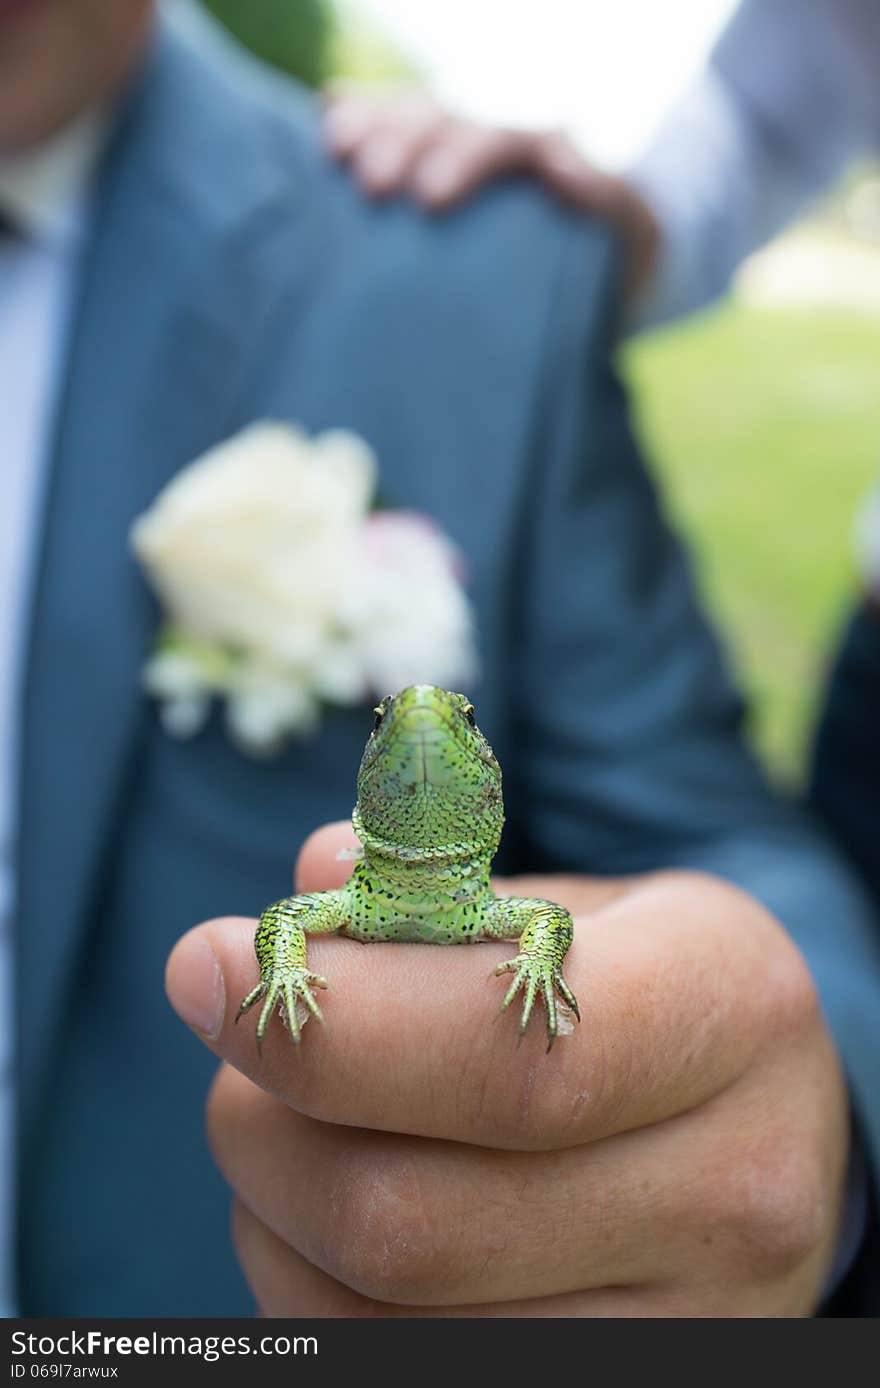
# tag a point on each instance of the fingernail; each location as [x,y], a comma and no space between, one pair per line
[195,985]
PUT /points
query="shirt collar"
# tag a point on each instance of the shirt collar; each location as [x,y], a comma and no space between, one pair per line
[44,191]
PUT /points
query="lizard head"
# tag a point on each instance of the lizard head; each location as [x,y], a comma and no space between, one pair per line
[428,777]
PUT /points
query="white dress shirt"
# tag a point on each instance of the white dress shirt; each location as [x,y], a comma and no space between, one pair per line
[44,196]
[789,100]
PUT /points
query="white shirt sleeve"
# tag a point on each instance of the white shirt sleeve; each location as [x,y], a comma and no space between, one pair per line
[790,97]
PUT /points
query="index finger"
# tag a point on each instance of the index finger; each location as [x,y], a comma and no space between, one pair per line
[674,1003]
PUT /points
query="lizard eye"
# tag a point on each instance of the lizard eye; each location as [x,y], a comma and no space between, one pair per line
[379,715]
[468,712]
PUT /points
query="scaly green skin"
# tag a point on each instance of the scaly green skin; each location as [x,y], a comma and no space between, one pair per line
[429,815]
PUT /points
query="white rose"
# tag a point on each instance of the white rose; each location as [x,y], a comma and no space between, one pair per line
[282,593]
[405,614]
[249,546]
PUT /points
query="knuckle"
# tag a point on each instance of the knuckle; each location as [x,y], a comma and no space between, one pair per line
[770,968]
[793,997]
[381,1240]
[774,1208]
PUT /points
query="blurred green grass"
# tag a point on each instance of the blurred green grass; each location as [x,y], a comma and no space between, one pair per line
[764,428]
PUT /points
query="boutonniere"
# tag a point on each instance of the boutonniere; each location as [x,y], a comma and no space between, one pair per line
[284,592]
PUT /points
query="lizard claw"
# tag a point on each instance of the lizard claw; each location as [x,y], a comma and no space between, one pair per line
[290,990]
[537,975]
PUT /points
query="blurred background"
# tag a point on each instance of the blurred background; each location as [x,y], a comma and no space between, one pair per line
[762,416]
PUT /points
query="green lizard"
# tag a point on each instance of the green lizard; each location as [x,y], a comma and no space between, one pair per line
[429,815]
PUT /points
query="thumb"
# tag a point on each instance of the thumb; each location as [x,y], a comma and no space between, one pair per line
[325,859]
[579,895]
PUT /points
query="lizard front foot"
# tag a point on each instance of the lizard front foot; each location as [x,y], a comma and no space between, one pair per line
[285,988]
[537,969]
[537,976]
[280,946]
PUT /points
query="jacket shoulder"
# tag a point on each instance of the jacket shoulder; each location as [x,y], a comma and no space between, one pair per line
[237,152]
[253,136]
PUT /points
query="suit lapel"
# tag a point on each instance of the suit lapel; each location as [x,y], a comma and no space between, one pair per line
[150,359]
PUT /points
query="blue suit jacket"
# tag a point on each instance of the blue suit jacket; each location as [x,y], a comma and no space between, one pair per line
[232,276]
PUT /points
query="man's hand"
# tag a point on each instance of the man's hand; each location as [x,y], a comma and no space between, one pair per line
[680,1154]
[406,142]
